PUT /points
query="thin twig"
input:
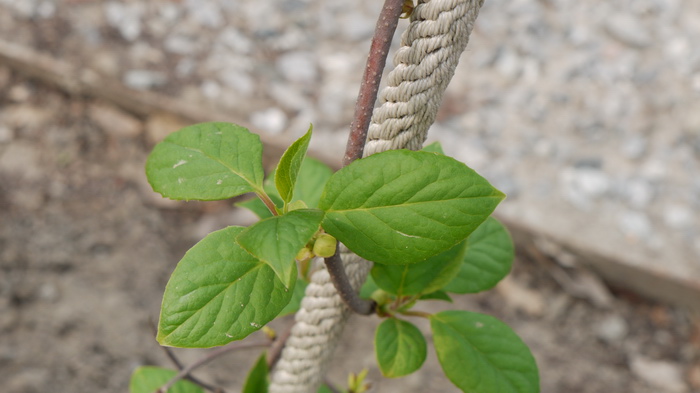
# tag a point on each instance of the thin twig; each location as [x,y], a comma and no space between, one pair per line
[209,357]
[173,358]
[376,60]
[273,355]
[341,282]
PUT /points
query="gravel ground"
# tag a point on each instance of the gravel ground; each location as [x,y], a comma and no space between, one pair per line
[584,113]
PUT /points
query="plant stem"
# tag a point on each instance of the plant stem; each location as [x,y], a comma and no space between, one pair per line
[209,357]
[268,202]
[376,60]
[421,314]
[341,282]
[273,355]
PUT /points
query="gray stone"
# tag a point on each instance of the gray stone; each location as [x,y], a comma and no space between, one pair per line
[635,225]
[181,44]
[612,329]
[144,79]
[115,121]
[126,18]
[6,134]
[299,67]
[271,120]
[663,375]
[629,30]
[205,13]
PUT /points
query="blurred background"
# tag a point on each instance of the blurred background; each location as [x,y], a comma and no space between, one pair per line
[587,114]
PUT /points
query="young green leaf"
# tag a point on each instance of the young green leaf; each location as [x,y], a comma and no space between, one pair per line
[208,161]
[481,354]
[434,147]
[294,304]
[400,348]
[400,206]
[147,379]
[312,177]
[488,259]
[422,277]
[324,389]
[257,381]
[289,165]
[256,206]
[368,288]
[277,240]
[219,293]
[437,295]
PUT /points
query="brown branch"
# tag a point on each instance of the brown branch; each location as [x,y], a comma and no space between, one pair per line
[341,282]
[376,60]
[273,355]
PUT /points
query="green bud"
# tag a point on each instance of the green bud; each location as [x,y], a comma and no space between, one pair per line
[324,246]
[304,254]
[296,205]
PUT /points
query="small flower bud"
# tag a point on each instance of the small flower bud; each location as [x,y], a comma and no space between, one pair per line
[325,245]
[304,254]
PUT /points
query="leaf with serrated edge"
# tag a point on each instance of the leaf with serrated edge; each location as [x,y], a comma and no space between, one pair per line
[421,277]
[148,379]
[401,206]
[257,381]
[208,161]
[481,354]
[400,347]
[219,293]
[488,259]
[277,240]
[289,165]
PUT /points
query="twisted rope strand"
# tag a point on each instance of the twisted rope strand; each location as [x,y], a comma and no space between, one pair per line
[425,63]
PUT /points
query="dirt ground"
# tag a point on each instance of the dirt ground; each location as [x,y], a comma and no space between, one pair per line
[86,249]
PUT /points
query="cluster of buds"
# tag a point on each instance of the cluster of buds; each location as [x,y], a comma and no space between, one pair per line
[321,245]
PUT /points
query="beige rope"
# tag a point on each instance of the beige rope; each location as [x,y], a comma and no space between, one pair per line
[425,63]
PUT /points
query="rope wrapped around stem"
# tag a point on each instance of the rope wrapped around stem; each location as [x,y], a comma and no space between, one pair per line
[424,65]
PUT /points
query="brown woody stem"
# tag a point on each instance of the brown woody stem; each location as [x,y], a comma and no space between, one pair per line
[341,282]
[376,60]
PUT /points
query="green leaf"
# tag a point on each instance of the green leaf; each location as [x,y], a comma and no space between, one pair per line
[401,206]
[437,295]
[147,379]
[434,147]
[400,348]
[481,354]
[257,381]
[207,161]
[312,177]
[368,288]
[256,206]
[488,259]
[289,165]
[219,293]
[277,240]
[422,277]
[324,389]
[294,304]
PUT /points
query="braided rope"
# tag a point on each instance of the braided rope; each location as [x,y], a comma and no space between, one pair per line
[425,63]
